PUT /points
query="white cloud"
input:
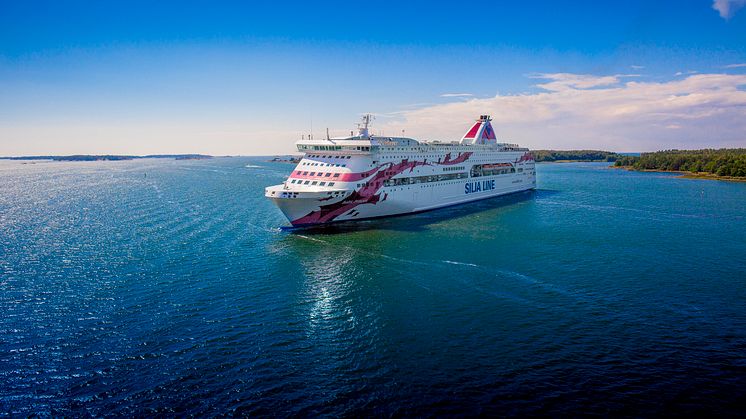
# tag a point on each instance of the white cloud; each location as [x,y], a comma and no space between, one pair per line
[637,67]
[585,111]
[564,81]
[456,95]
[727,8]
[735,65]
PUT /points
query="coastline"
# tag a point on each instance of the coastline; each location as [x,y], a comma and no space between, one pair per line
[106,157]
[686,175]
[574,161]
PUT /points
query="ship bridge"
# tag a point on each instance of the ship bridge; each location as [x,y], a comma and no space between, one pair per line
[362,142]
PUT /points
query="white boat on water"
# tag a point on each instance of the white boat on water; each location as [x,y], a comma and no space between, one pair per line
[366,176]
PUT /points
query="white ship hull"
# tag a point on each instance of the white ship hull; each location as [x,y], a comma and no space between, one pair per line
[406,199]
[363,177]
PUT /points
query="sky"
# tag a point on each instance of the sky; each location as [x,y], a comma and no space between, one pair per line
[250,78]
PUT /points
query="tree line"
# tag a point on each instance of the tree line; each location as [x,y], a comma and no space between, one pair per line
[720,162]
[581,155]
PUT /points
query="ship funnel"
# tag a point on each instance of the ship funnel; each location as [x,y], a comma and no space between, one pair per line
[481,132]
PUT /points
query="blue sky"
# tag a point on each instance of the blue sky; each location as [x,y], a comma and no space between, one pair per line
[239,78]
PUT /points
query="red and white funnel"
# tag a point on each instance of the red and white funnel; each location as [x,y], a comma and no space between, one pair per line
[480,133]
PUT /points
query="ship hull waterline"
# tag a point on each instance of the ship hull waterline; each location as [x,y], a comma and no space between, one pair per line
[339,223]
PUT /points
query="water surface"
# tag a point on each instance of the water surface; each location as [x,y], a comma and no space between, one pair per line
[162,286]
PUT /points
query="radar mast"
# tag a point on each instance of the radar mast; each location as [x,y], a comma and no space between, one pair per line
[362,128]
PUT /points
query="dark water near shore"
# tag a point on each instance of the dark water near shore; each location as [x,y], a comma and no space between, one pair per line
[605,292]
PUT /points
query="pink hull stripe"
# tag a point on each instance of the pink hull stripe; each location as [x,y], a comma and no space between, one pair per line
[343,177]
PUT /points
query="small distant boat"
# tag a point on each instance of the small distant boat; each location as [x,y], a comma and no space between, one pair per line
[366,176]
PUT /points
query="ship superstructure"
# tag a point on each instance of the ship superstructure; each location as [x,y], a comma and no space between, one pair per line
[365,176]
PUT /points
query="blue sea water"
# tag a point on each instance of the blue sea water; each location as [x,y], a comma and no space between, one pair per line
[167,287]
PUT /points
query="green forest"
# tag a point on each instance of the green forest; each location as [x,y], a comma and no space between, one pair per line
[721,162]
[579,155]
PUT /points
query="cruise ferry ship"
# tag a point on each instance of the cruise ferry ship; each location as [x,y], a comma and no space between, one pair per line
[366,176]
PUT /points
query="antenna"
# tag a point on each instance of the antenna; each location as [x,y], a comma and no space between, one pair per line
[327,134]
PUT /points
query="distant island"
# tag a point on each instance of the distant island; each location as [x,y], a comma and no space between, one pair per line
[574,155]
[724,163]
[285,159]
[111,157]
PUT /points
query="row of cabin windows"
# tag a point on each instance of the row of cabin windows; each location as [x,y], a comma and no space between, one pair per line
[424,179]
[319,174]
[323,164]
[440,178]
[314,182]
[429,156]
[477,171]
[451,169]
